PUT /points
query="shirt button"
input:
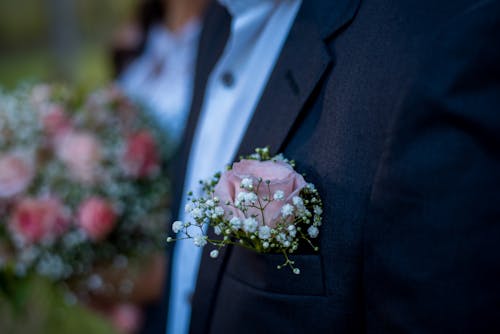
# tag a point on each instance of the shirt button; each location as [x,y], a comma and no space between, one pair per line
[228,79]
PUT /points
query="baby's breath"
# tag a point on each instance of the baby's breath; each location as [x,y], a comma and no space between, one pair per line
[299,221]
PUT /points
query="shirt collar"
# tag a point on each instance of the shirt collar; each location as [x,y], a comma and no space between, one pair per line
[161,39]
[240,7]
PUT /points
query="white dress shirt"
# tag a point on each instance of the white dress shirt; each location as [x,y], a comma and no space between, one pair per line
[258,31]
[161,78]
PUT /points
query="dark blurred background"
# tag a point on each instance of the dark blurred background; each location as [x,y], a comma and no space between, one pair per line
[61,40]
[66,41]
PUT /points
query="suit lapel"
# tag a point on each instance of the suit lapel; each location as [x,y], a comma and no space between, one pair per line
[302,64]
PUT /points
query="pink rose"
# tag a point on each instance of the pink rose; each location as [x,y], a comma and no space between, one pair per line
[282,178]
[81,152]
[16,173]
[140,158]
[55,121]
[97,218]
[126,318]
[34,220]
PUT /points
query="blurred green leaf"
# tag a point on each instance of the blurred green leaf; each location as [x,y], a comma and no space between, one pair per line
[26,51]
[46,312]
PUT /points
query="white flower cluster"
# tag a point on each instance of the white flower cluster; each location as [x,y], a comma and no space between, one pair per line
[203,211]
[19,130]
[252,220]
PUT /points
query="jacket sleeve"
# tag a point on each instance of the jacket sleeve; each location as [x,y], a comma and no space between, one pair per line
[432,237]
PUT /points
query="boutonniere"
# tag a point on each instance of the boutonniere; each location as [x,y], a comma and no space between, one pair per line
[260,203]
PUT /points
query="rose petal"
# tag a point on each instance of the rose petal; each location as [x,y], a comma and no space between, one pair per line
[281,176]
[96,217]
[267,170]
[34,220]
[16,173]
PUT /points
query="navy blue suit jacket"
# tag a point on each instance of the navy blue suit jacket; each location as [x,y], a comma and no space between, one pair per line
[392,108]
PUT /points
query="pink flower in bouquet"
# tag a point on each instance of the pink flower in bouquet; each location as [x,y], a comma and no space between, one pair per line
[55,121]
[126,318]
[114,93]
[97,218]
[81,152]
[16,173]
[141,158]
[284,184]
[34,220]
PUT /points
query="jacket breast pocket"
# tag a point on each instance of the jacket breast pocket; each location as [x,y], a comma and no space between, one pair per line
[260,272]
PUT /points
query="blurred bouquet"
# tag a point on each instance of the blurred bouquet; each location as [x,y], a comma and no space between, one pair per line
[81,189]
